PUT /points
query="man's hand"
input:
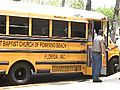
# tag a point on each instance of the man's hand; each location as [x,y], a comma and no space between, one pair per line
[108,49]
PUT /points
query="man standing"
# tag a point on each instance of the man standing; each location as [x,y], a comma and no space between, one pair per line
[98,49]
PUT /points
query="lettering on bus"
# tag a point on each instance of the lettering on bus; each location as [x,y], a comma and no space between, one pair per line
[54,56]
[10,43]
[60,17]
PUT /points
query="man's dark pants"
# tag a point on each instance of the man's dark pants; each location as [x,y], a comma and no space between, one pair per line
[96,65]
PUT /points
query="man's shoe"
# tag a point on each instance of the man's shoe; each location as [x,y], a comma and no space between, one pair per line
[97,80]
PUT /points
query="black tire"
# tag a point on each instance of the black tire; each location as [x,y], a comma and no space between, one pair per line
[20,73]
[112,66]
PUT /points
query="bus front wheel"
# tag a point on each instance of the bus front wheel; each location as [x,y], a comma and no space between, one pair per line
[20,73]
[112,66]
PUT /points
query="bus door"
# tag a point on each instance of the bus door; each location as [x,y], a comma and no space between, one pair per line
[97,26]
[89,46]
[93,29]
[90,41]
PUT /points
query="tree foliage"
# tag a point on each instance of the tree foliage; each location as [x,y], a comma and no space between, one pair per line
[54,3]
[78,4]
[106,11]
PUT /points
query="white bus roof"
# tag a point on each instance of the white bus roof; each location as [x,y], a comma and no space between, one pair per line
[49,10]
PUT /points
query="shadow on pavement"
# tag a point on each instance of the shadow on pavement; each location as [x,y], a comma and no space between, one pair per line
[49,78]
[4,81]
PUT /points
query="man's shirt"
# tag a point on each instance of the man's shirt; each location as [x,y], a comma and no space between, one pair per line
[96,45]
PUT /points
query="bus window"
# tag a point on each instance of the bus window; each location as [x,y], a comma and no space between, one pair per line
[97,26]
[40,27]
[60,28]
[90,31]
[78,29]
[19,25]
[2,24]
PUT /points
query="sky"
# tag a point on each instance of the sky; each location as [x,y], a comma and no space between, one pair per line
[102,3]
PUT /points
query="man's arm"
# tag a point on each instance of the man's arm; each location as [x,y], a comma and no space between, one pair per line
[113,47]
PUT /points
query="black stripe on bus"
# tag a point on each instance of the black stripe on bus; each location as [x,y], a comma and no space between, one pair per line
[4,63]
[72,62]
[43,39]
[42,51]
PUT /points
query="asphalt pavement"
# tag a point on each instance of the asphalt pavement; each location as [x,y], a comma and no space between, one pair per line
[68,82]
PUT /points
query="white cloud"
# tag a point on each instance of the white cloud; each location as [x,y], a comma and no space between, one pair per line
[103,3]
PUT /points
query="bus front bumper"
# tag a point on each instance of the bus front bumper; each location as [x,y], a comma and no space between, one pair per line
[2,72]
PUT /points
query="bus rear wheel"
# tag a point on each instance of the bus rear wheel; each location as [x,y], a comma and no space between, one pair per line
[112,66]
[20,73]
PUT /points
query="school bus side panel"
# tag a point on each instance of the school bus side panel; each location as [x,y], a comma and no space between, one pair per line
[44,54]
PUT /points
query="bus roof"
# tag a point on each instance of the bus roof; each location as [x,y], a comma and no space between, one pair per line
[22,7]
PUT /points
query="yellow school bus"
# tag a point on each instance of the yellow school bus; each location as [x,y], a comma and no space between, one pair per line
[40,39]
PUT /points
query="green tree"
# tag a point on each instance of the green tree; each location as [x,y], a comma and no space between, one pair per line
[106,11]
[54,2]
[78,4]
